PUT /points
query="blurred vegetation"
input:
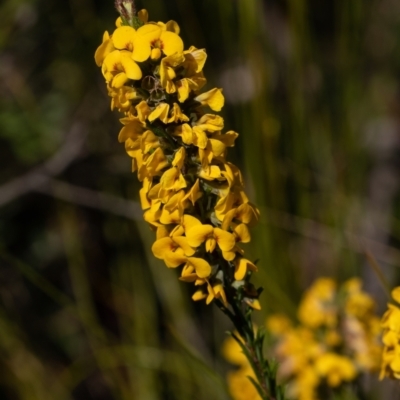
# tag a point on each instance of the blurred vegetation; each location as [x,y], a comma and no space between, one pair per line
[86,312]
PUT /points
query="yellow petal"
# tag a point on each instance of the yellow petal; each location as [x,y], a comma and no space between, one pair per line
[119,80]
[202,267]
[213,98]
[184,245]
[211,243]
[179,158]
[132,70]
[174,259]
[226,241]
[162,246]
[104,49]
[396,294]
[241,267]
[149,32]
[199,295]
[200,137]
[141,50]
[198,234]
[171,43]
[242,233]
[188,222]
[123,37]
[161,112]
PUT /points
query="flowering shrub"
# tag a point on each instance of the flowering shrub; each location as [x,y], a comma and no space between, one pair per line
[192,197]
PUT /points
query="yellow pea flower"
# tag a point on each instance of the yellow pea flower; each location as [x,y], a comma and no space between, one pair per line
[173,250]
[211,236]
[127,38]
[118,67]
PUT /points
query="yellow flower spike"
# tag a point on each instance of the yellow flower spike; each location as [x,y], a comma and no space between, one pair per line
[213,98]
[104,49]
[118,67]
[242,265]
[202,267]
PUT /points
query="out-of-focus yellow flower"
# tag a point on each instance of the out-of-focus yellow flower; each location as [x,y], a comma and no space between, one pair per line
[391,339]
[337,339]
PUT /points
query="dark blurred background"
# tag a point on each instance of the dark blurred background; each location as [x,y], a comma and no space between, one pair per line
[86,312]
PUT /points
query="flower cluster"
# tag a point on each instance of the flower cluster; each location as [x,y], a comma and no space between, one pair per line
[337,339]
[191,195]
[391,339]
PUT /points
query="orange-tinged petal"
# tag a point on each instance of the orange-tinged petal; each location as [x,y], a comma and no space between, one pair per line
[202,267]
[226,241]
[171,43]
[198,234]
